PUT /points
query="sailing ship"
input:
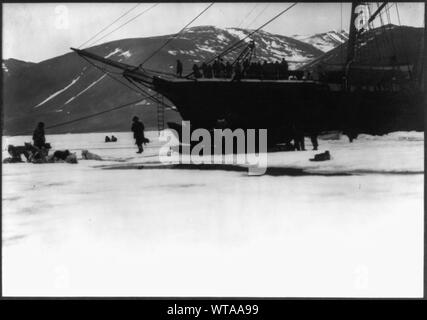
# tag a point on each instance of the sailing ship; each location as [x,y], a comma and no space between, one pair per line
[354,96]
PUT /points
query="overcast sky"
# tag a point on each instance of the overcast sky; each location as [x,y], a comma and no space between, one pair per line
[39,31]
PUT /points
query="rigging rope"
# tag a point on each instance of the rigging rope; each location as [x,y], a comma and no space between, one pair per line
[103,112]
[378,47]
[94,114]
[383,38]
[105,28]
[144,95]
[251,33]
[176,35]
[402,41]
[383,26]
[140,90]
[109,74]
[258,15]
[342,53]
[125,23]
[247,15]
[387,10]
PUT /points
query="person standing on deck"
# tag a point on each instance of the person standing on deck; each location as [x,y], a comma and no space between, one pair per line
[204,70]
[276,69]
[179,68]
[39,139]
[245,68]
[284,69]
[196,71]
[138,133]
[228,70]
[237,72]
[221,68]
[215,68]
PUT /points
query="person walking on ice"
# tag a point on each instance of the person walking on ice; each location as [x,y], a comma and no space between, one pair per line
[138,133]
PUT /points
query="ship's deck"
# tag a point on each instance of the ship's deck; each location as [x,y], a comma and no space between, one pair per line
[170,79]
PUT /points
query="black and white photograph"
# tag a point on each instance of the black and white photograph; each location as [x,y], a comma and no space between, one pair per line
[213,149]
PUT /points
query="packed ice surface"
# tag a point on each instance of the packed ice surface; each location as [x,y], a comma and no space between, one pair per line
[351,226]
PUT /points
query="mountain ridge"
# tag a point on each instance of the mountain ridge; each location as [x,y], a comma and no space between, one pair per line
[325,41]
[66,87]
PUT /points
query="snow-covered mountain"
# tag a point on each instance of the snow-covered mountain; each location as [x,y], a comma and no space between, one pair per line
[67,87]
[209,40]
[12,66]
[383,46]
[324,41]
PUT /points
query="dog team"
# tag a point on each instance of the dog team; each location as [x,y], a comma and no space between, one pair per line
[38,152]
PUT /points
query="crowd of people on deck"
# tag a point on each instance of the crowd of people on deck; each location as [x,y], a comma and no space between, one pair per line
[245,70]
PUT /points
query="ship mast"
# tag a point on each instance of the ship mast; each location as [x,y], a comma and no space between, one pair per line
[423,81]
[352,35]
[421,63]
[354,32]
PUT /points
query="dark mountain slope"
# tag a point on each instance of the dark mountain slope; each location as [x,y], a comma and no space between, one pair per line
[68,87]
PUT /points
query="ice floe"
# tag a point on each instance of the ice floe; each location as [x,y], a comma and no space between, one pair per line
[86,230]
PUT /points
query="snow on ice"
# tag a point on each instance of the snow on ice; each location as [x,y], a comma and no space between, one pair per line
[130,226]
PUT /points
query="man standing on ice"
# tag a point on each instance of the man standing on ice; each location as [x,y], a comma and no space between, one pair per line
[39,139]
[138,133]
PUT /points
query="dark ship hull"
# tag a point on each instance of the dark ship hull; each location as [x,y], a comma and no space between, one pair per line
[281,105]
